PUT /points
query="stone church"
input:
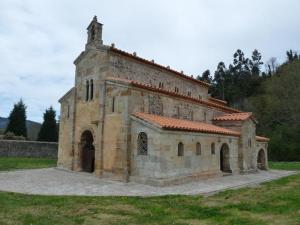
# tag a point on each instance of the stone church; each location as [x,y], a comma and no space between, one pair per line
[131,119]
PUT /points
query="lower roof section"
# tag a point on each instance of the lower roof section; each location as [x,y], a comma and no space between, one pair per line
[262,139]
[168,123]
[234,116]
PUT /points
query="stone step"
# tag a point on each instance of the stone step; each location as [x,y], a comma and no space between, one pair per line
[226,174]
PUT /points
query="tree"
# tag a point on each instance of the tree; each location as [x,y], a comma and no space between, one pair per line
[255,63]
[271,66]
[206,77]
[240,63]
[291,55]
[219,81]
[277,110]
[48,131]
[17,120]
[240,80]
[240,77]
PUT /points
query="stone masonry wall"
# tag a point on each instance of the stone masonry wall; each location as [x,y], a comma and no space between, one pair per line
[124,67]
[65,153]
[162,165]
[33,149]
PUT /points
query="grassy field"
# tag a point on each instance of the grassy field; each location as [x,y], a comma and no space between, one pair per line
[285,165]
[13,163]
[276,202]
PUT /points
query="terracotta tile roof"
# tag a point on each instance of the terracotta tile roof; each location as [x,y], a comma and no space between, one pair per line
[234,117]
[134,56]
[262,139]
[175,94]
[169,123]
[217,100]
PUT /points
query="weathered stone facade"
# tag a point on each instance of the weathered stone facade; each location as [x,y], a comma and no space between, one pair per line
[99,131]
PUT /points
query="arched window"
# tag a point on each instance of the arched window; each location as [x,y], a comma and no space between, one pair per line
[189,93]
[176,89]
[198,148]
[180,149]
[142,144]
[68,112]
[92,89]
[212,148]
[93,33]
[113,104]
[161,85]
[87,90]
[204,116]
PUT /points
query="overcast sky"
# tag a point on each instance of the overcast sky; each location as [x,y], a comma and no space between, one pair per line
[40,39]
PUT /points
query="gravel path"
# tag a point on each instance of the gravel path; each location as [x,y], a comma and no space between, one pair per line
[54,181]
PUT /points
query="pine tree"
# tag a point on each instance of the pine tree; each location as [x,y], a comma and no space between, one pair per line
[48,131]
[17,120]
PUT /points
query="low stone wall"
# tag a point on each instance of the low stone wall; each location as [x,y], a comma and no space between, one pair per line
[33,149]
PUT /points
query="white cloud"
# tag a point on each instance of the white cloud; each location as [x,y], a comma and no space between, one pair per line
[40,39]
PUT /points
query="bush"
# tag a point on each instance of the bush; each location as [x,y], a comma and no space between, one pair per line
[12,136]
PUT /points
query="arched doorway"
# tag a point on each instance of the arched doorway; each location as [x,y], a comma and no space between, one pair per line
[87,152]
[261,160]
[224,159]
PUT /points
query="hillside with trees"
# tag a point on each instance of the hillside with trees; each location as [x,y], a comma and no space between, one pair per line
[272,95]
[277,107]
[32,128]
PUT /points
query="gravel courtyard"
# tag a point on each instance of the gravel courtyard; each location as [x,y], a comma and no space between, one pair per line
[54,181]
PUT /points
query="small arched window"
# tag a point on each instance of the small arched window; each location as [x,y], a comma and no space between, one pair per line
[68,111]
[204,116]
[161,85]
[198,148]
[87,89]
[189,93]
[92,89]
[142,144]
[93,33]
[113,104]
[180,149]
[212,148]
[176,89]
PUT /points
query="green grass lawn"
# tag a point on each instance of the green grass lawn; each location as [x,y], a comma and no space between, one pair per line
[275,202]
[13,163]
[285,165]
